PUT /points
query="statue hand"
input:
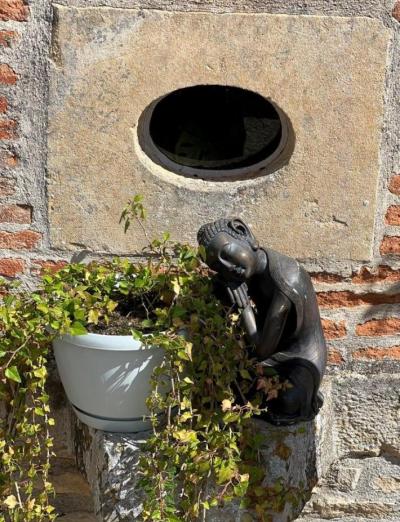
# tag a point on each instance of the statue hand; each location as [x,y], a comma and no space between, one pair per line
[238,295]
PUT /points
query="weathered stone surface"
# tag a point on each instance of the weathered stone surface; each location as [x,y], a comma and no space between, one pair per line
[296,456]
[373,491]
[293,457]
[110,462]
[110,64]
[361,404]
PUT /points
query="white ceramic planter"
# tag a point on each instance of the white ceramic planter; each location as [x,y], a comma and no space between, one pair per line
[107,379]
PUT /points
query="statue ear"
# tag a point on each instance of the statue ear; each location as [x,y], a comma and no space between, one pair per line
[240,227]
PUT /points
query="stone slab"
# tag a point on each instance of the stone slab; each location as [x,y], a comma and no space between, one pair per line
[326,73]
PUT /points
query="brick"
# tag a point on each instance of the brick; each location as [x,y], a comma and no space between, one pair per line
[335,357]
[15,214]
[8,129]
[16,10]
[381,274]
[43,265]
[333,329]
[11,267]
[3,104]
[325,277]
[7,75]
[379,327]
[394,185]
[396,11]
[6,38]
[390,245]
[25,239]
[349,299]
[393,352]
[7,187]
[8,159]
[393,215]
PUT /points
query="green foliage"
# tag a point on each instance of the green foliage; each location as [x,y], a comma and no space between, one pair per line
[202,451]
[194,461]
[25,441]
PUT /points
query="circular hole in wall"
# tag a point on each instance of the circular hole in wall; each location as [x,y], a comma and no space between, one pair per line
[212,132]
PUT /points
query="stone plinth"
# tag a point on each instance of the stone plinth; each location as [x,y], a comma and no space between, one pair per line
[294,459]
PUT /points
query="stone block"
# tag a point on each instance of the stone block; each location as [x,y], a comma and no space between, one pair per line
[327,74]
[347,478]
[358,488]
[296,457]
[366,414]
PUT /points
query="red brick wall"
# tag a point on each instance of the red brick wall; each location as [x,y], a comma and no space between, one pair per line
[361,312]
[23,247]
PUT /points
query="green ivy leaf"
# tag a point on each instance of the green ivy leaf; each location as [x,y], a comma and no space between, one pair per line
[12,373]
[245,375]
[77,328]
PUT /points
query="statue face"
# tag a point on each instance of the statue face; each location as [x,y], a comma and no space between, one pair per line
[232,258]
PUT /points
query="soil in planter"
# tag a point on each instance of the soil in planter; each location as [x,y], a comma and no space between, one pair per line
[132,313]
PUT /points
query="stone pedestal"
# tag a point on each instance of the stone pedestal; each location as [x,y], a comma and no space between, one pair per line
[294,459]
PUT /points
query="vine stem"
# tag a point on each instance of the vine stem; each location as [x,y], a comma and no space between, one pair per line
[240,392]
[143,230]
[18,495]
[15,352]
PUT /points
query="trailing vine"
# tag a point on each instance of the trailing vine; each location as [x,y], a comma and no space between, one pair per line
[206,453]
[203,451]
[25,441]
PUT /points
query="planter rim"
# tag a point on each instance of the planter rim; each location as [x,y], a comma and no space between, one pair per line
[105,342]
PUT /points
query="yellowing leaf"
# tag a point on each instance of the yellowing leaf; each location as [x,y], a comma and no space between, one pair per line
[40,372]
[176,287]
[11,502]
[226,405]
[93,316]
[188,349]
[111,306]
[185,435]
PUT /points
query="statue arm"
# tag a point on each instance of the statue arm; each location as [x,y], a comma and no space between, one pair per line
[274,324]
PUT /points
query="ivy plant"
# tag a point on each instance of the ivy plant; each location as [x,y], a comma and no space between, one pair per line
[202,451]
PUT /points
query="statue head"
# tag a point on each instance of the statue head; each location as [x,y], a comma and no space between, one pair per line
[231,249]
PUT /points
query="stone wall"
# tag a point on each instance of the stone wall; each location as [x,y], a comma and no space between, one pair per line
[359,293]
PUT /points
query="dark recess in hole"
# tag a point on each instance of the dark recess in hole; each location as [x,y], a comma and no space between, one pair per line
[215,127]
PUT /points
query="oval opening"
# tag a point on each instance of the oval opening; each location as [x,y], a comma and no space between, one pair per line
[204,130]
